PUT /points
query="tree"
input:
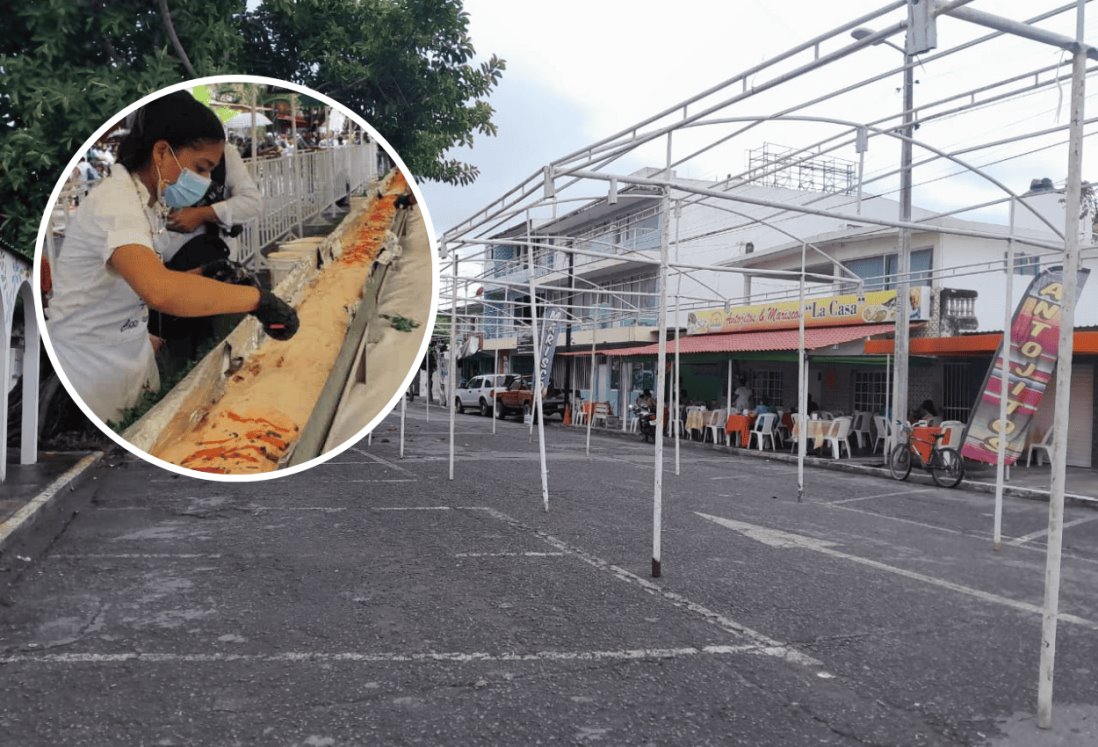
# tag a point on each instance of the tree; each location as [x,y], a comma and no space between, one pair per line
[404,66]
[69,65]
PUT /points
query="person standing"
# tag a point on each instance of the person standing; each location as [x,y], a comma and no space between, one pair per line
[109,271]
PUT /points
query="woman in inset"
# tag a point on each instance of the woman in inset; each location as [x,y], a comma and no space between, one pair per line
[109,271]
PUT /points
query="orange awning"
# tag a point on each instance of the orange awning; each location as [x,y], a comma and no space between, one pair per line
[1085,342]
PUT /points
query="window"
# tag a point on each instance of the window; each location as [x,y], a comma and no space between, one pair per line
[870,391]
[879,272]
[767,384]
[1025,264]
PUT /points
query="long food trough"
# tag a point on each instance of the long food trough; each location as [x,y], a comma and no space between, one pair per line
[254,404]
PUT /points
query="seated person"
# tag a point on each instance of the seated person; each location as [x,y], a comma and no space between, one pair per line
[763,407]
[646,400]
[928,412]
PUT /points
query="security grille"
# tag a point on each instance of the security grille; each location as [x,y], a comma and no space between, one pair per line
[957,395]
[767,384]
[870,391]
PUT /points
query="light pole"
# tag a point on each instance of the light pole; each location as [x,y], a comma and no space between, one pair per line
[903,268]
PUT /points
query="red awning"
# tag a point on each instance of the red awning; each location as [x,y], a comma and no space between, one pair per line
[1085,342]
[749,342]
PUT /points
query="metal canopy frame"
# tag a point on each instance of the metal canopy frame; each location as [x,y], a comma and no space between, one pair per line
[719,116]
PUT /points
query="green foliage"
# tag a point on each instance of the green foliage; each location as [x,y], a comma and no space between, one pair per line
[400,323]
[404,66]
[69,65]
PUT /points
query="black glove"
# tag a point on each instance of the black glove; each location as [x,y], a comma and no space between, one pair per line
[227,271]
[278,317]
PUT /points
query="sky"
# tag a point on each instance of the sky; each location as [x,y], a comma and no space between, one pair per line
[579,71]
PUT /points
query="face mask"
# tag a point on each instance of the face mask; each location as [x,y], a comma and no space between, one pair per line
[188,189]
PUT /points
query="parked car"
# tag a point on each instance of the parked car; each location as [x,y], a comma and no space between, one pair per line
[519,399]
[480,392]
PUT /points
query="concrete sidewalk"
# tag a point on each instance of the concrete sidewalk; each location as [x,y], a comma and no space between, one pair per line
[36,502]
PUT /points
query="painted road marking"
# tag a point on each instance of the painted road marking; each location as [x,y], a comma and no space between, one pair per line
[24,514]
[386,462]
[762,644]
[640,654]
[924,525]
[137,556]
[322,509]
[509,555]
[762,534]
[1036,535]
[411,508]
[880,495]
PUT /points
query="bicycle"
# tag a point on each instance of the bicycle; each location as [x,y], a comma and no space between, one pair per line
[945,464]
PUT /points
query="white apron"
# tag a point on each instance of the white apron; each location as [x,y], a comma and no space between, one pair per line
[98,325]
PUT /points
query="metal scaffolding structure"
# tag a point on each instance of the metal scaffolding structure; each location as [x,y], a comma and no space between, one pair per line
[523,241]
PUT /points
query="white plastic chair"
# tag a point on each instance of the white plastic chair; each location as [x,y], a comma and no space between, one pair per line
[860,428]
[764,429]
[602,412]
[714,426]
[884,434]
[825,415]
[838,435]
[954,432]
[1045,445]
[579,417]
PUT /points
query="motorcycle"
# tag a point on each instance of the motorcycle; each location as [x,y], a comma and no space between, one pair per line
[646,420]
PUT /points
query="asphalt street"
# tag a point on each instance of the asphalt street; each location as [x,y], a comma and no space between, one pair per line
[372,601]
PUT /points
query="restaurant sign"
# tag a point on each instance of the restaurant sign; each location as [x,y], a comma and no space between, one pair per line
[873,307]
[1034,350]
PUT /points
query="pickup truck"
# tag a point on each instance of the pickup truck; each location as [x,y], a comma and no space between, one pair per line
[481,392]
[519,399]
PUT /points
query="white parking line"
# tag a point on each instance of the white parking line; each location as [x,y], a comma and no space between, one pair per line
[761,643]
[322,509]
[881,495]
[639,654]
[1036,535]
[137,556]
[509,555]
[385,462]
[785,540]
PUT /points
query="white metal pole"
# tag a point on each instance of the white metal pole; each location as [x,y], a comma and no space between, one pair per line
[453,354]
[403,407]
[902,280]
[495,382]
[888,408]
[254,88]
[802,384]
[299,199]
[1073,199]
[678,414]
[661,383]
[729,398]
[537,413]
[1008,313]
[591,415]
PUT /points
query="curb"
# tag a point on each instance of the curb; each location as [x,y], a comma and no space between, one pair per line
[47,512]
[1033,494]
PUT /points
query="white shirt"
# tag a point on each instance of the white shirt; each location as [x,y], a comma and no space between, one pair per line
[97,323]
[243,204]
[743,397]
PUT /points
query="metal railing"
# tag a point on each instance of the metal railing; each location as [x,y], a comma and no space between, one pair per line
[295,189]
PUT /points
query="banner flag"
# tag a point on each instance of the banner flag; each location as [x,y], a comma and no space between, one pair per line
[551,326]
[1034,350]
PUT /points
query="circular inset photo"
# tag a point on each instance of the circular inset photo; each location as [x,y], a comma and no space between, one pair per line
[236,278]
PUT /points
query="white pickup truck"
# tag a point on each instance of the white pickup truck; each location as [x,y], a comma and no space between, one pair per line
[481,392]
